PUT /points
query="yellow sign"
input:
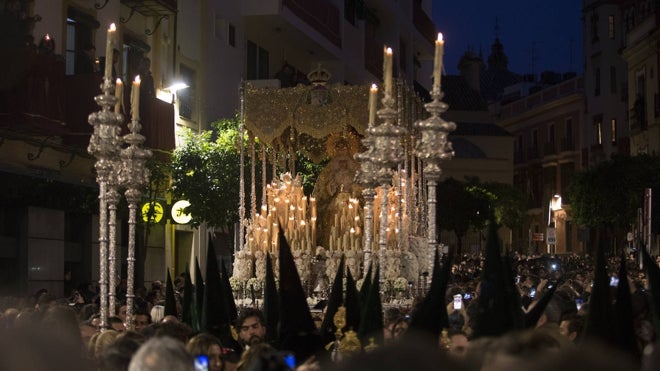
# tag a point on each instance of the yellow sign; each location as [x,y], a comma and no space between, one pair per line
[178,215]
[157,213]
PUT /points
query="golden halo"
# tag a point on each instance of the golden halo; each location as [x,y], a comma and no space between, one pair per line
[346,139]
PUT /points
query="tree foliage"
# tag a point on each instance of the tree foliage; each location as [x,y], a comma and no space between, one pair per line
[205,171]
[463,205]
[608,195]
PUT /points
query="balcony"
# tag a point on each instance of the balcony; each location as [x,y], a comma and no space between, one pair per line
[43,102]
[153,8]
[423,23]
[320,15]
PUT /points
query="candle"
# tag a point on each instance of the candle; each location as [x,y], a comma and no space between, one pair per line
[373,94]
[110,44]
[119,94]
[387,71]
[437,62]
[135,99]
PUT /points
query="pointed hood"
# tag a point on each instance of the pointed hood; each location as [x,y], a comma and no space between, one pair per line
[598,325]
[170,299]
[532,317]
[626,340]
[366,285]
[431,315]
[271,301]
[230,304]
[371,320]
[334,302]
[297,331]
[653,274]
[494,316]
[513,295]
[199,293]
[189,315]
[352,303]
[214,313]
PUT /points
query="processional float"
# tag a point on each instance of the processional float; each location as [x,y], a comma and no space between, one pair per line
[386,216]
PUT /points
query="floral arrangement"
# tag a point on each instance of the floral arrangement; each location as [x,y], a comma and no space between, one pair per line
[400,284]
[256,284]
[235,283]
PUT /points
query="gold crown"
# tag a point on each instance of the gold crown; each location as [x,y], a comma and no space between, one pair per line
[319,76]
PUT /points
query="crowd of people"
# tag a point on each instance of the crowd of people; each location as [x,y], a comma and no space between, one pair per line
[42,332]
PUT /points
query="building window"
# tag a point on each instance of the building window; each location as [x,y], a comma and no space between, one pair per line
[403,55]
[613,82]
[231,35]
[613,128]
[79,36]
[551,134]
[594,27]
[350,11]
[257,62]
[597,82]
[568,132]
[610,27]
[186,96]
[598,130]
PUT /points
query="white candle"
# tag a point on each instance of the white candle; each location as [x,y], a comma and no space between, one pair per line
[109,46]
[387,71]
[119,94]
[373,95]
[437,62]
[135,99]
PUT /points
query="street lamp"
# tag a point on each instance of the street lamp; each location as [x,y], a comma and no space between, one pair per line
[554,205]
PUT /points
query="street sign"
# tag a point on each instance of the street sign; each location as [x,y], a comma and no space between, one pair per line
[552,236]
[629,237]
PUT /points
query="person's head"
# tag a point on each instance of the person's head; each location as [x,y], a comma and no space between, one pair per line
[210,346]
[121,312]
[141,320]
[90,50]
[116,324]
[103,341]
[162,353]
[458,343]
[571,327]
[117,356]
[251,326]
[157,313]
[399,328]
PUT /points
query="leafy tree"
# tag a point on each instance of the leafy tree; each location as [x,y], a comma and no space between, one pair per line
[607,196]
[470,204]
[205,172]
[458,209]
[509,203]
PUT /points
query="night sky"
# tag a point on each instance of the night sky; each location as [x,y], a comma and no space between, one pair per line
[548,32]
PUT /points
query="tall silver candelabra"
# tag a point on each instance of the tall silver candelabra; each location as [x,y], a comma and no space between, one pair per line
[432,148]
[113,199]
[387,154]
[104,144]
[134,175]
[367,177]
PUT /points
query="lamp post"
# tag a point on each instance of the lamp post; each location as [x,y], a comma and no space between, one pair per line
[553,206]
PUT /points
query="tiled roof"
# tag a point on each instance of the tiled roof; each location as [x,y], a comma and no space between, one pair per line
[479,129]
[459,96]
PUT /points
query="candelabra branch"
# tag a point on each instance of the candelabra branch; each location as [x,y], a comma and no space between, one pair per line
[433,147]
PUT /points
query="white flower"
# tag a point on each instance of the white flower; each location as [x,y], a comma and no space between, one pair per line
[400,284]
